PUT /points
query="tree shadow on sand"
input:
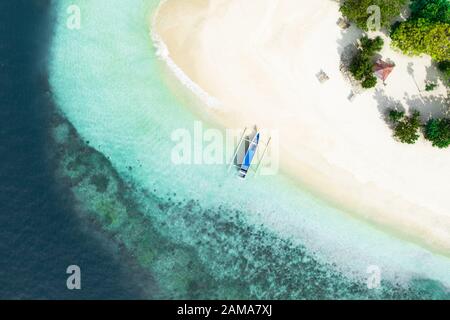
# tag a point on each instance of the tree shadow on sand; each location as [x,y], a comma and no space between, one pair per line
[429,106]
[347,48]
[432,73]
[385,104]
[411,72]
[348,40]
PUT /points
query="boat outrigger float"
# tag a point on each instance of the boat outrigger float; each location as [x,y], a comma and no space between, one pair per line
[250,150]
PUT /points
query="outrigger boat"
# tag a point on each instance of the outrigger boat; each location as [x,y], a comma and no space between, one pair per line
[249,155]
[248,147]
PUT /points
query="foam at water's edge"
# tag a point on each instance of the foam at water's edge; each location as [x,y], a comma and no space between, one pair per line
[163,53]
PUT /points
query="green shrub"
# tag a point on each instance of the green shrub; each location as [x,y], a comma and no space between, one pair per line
[407,129]
[395,116]
[438,132]
[361,66]
[430,86]
[371,46]
[369,82]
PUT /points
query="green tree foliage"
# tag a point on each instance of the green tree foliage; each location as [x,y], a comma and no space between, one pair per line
[356,11]
[406,129]
[415,37]
[438,132]
[430,86]
[361,66]
[369,82]
[431,10]
[427,31]
[371,46]
[395,116]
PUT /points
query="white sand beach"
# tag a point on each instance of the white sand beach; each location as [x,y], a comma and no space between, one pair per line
[258,59]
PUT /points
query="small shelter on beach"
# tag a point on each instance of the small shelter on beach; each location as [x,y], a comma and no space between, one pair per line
[383,69]
[322,76]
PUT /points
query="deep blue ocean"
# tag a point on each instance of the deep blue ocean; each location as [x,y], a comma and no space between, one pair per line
[40,233]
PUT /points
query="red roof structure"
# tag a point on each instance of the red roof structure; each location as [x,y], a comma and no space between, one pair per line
[383,69]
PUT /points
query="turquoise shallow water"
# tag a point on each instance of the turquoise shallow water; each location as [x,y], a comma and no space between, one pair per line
[198,231]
